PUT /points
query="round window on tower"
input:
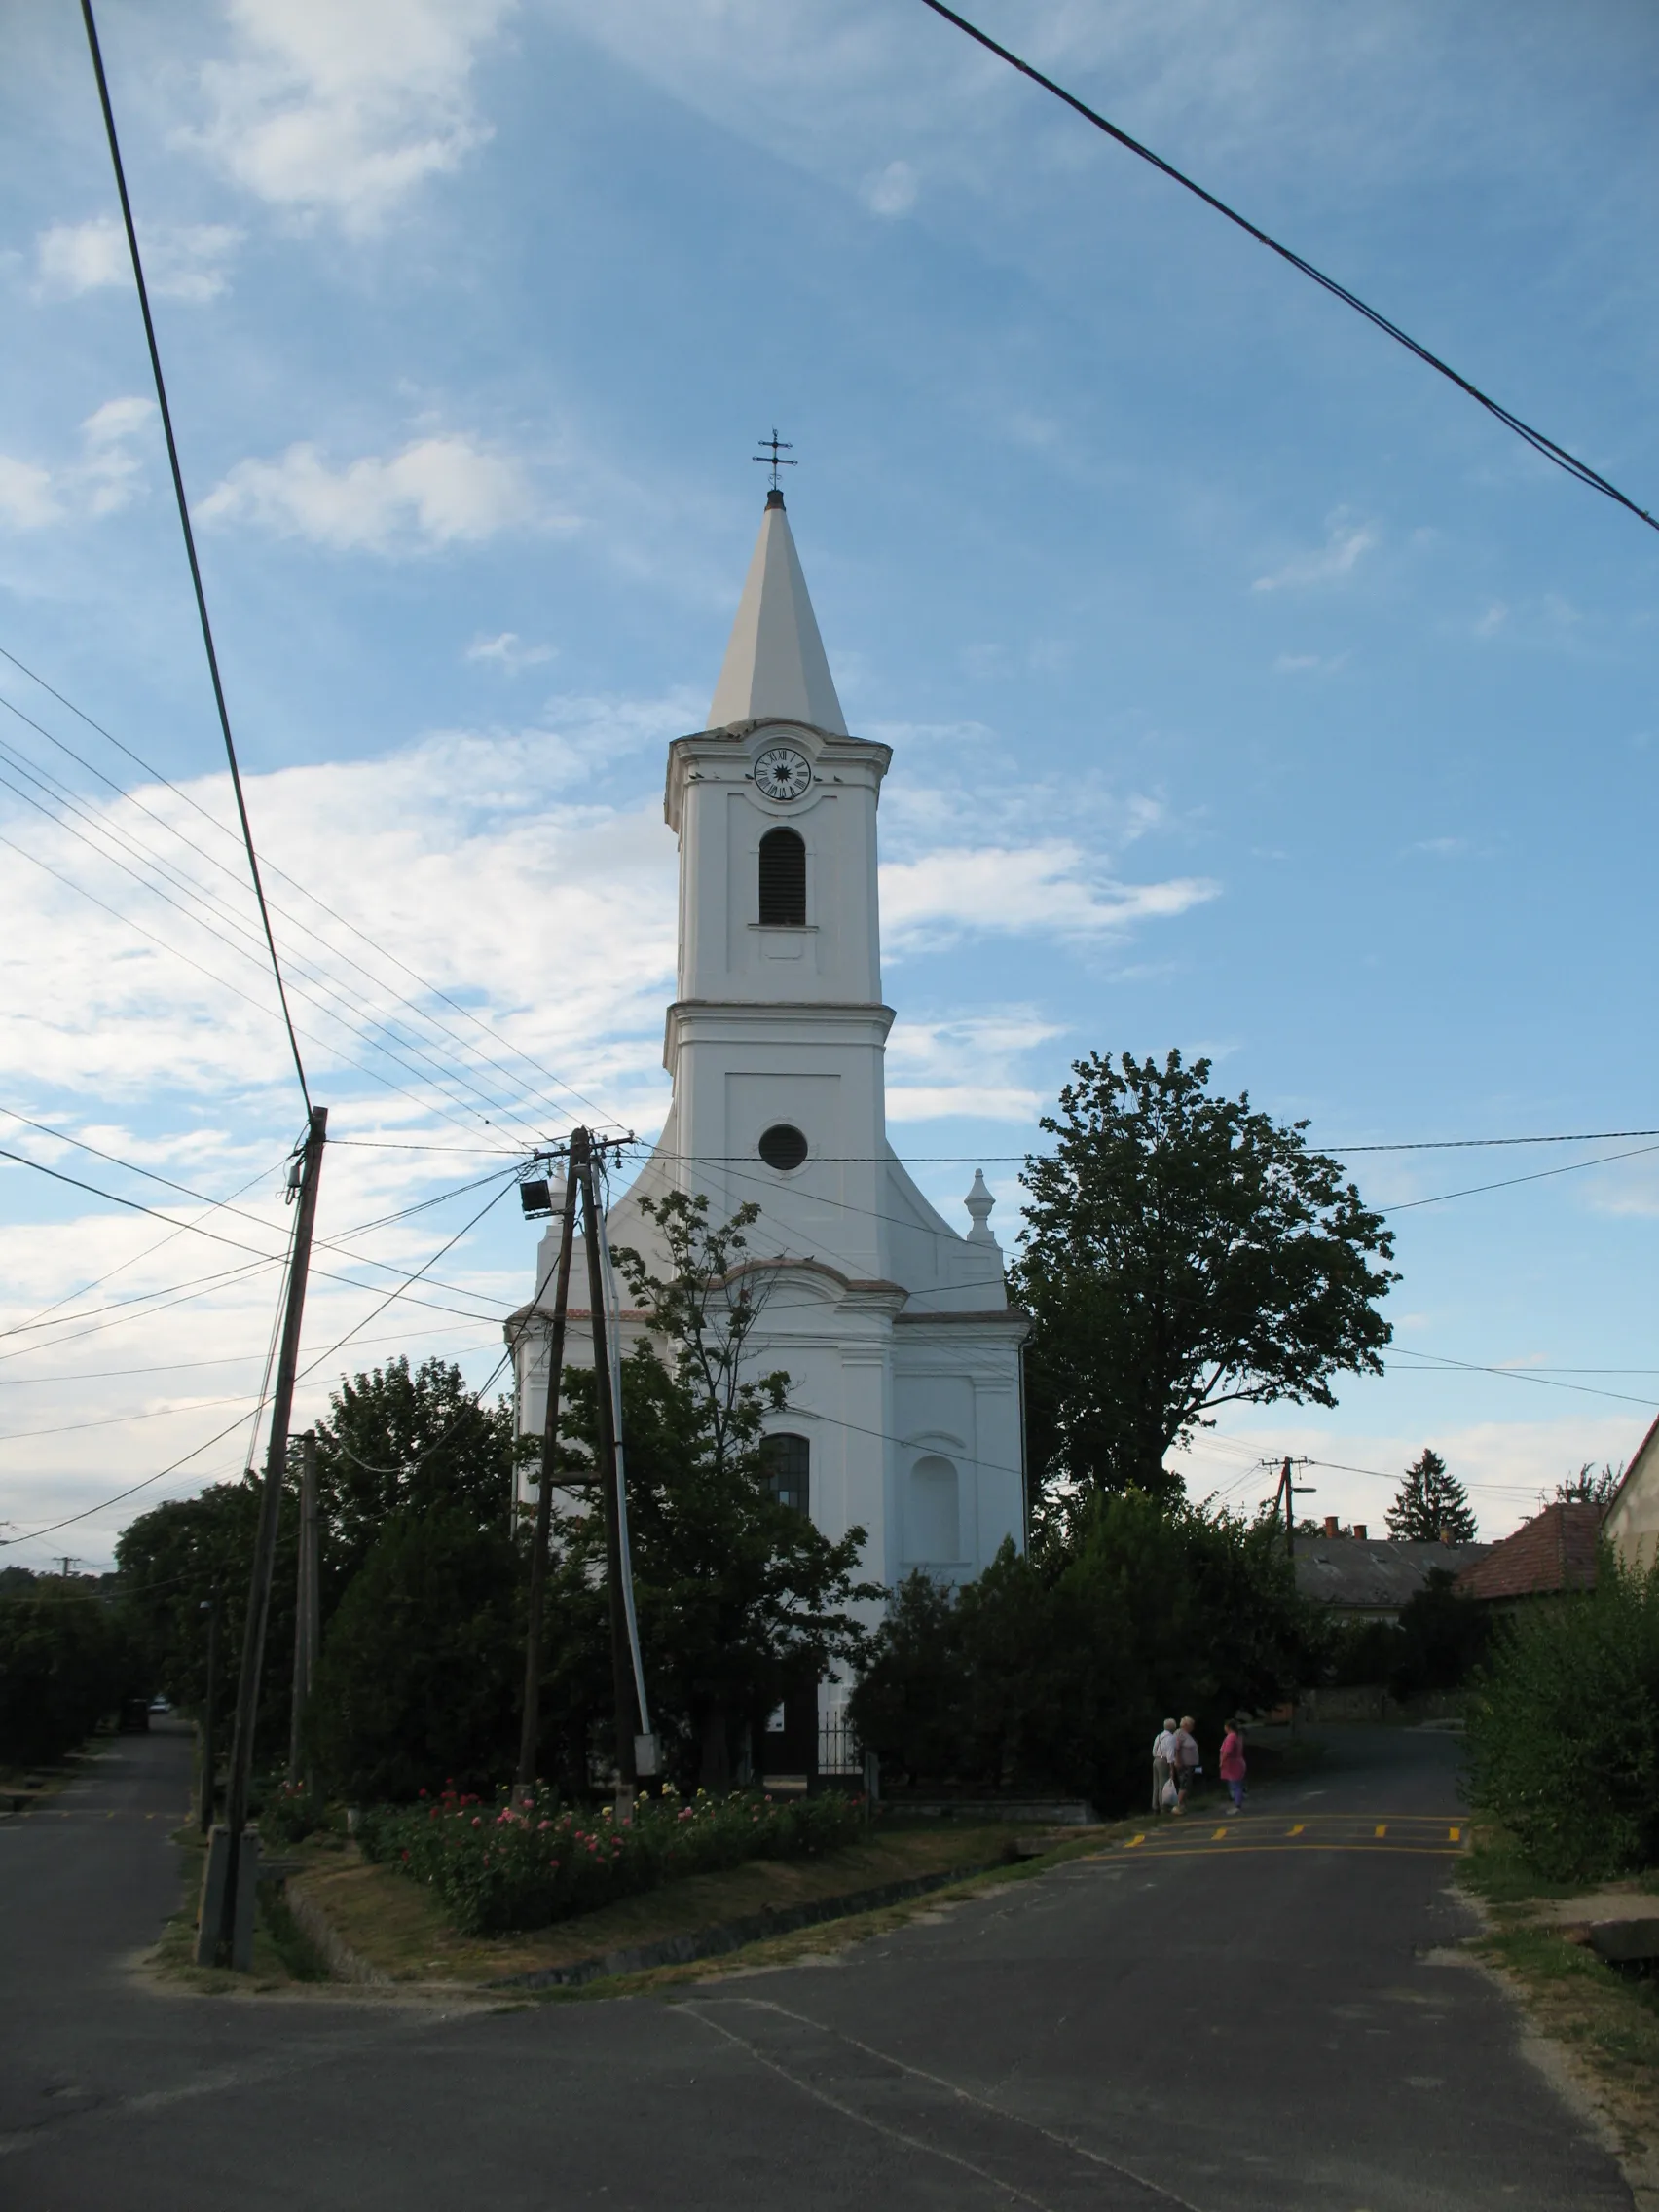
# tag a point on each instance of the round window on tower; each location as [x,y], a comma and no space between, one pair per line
[783,1147]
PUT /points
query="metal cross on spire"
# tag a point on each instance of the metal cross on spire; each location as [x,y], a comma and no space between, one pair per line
[776,446]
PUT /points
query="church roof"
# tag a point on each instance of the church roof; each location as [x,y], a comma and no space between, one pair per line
[775,663]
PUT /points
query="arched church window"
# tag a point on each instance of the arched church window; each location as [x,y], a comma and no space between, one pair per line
[933,1521]
[788,1469]
[783,880]
[783,1147]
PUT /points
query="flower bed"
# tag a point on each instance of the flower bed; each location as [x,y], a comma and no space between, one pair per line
[501,1867]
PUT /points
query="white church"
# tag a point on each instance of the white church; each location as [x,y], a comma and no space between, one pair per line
[902,1352]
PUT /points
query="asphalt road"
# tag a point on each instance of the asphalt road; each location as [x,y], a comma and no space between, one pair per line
[1258,2013]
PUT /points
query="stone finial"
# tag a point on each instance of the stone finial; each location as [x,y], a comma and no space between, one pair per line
[980,1202]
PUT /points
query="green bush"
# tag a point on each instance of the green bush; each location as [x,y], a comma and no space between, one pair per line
[287,1812]
[1564,1728]
[497,1867]
[1055,1669]
[423,1665]
[62,1670]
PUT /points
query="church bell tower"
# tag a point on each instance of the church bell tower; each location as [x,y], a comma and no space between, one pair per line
[895,1329]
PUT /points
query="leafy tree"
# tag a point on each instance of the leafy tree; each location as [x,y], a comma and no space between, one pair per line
[172,1560]
[422,1666]
[396,1441]
[1055,1669]
[1564,1730]
[1442,1637]
[62,1669]
[1430,1506]
[740,1598]
[1181,1252]
[1590,1486]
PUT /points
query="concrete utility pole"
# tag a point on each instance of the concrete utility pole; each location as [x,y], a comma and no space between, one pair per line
[1290,1489]
[531,1724]
[307,1613]
[224,1936]
[621,1666]
[209,1748]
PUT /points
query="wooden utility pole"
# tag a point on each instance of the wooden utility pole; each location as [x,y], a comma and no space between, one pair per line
[306,1615]
[209,1748]
[532,1725]
[621,1666]
[220,1940]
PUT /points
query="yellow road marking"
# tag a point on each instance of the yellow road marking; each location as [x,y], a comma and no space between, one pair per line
[1455,1834]
[1382,1829]
[1218,1833]
[1298,1827]
[1134,1840]
[1302,1850]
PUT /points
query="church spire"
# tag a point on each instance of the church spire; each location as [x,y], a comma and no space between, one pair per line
[775,663]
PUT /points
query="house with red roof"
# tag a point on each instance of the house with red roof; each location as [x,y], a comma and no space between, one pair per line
[1553,1552]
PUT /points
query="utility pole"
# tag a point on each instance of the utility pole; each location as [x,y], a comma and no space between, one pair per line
[209,1750]
[306,1610]
[532,1726]
[621,1668]
[1289,1491]
[228,1930]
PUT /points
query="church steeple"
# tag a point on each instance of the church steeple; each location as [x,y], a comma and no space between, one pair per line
[775,663]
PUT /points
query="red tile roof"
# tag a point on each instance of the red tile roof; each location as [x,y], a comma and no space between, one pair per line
[1553,1550]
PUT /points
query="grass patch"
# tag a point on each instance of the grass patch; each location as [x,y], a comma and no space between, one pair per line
[1605,2016]
[398,1928]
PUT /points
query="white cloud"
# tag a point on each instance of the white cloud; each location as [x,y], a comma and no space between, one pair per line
[1307,664]
[437,491]
[508,652]
[186,261]
[892,191]
[106,476]
[1441,848]
[970,1065]
[27,500]
[1053,887]
[1346,544]
[1492,620]
[346,110]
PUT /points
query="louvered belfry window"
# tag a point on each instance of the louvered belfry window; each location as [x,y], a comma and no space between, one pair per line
[783,880]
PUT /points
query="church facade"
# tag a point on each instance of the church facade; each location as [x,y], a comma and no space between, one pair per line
[902,1350]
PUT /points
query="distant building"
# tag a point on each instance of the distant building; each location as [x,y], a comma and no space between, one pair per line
[1632,1519]
[1360,1578]
[1553,1550]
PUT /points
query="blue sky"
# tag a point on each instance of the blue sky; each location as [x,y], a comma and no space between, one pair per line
[1250,691]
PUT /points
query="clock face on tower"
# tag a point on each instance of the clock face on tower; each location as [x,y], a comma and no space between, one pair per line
[782,773]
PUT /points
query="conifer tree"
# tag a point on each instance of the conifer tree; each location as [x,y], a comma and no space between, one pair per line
[1430,1504]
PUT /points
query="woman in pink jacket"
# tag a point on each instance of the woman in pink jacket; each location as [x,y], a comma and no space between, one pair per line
[1232,1764]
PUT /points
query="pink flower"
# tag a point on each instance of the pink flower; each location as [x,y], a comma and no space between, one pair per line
[476,1822]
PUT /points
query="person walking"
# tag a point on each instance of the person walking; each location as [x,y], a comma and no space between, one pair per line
[1162,1762]
[1233,1763]
[1187,1764]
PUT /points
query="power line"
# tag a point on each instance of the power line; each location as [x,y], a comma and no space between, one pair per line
[135,1205]
[33,1535]
[1509,1181]
[189,535]
[215,919]
[1520,1375]
[1536,439]
[186,798]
